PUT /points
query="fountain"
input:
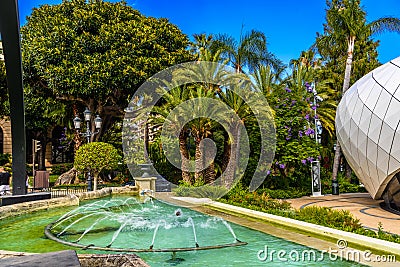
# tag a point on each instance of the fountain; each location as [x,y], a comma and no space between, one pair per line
[146,183]
[127,225]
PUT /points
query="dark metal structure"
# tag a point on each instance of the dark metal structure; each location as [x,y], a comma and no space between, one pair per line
[9,28]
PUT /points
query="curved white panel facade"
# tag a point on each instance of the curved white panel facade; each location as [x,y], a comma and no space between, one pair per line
[367,127]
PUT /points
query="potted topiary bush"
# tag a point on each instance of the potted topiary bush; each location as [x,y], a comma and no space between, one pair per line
[94,157]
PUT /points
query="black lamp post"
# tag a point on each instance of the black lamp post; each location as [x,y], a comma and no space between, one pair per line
[88,134]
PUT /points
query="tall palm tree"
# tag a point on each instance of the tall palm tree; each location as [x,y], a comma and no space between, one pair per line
[231,143]
[347,21]
[172,99]
[305,69]
[265,79]
[201,42]
[249,52]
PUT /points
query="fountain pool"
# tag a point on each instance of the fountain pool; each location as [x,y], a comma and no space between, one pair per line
[147,224]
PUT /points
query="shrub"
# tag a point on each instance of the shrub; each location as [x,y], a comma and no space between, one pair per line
[5,159]
[345,186]
[95,157]
[208,191]
[284,193]
[339,219]
[240,196]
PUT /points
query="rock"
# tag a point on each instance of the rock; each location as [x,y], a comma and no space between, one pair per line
[67,177]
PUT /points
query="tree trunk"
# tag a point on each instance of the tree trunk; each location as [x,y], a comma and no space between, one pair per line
[198,175]
[209,172]
[349,62]
[146,142]
[336,162]
[349,171]
[230,171]
[346,85]
[237,154]
[227,151]
[91,107]
[184,156]
[42,155]
[77,137]
[95,177]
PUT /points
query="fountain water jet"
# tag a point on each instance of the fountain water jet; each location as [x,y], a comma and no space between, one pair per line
[123,221]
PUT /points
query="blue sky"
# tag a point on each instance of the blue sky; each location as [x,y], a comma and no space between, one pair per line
[290,26]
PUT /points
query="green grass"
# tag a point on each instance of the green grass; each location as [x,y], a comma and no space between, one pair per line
[53,178]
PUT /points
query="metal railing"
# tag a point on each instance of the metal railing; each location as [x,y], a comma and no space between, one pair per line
[63,191]
[59,192]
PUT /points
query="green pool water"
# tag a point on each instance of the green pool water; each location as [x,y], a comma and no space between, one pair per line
[140,221]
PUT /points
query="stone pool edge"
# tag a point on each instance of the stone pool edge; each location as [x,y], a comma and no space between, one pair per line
[69,200]
[73,200]
[365,241]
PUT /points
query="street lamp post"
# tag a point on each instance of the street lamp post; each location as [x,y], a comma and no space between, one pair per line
[315,164]
[88,134]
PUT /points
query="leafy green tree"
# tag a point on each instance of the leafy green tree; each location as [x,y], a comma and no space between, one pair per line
[295,146]
[346,24]
[96,53]
[95,157]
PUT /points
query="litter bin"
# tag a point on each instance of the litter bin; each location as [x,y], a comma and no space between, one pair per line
[335,187]
[41,179]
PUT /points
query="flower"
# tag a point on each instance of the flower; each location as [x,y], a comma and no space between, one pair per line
[282,166]
[268,172]
[310,159]
[300,134]
[307,117]
[309,131]
[288,90]
[304,161]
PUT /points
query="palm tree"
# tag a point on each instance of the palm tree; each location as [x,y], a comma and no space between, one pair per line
[265,79]
[347,23]
[231,143]
[201,42]
[249,52]
[307,73]
[172,99]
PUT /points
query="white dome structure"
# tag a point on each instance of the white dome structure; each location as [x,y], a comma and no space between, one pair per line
[367,127]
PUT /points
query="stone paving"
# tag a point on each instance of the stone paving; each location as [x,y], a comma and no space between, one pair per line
[361,205]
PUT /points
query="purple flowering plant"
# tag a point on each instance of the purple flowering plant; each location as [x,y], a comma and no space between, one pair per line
[294,146]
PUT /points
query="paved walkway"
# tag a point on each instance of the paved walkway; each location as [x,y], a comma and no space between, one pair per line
[361,205]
